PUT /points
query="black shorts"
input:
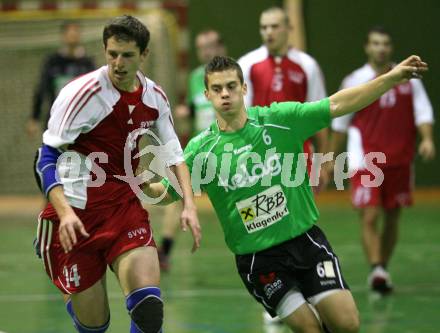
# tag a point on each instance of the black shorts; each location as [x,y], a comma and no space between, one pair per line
[306,263]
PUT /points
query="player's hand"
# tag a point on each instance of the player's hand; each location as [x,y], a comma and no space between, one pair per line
[411,68]
[69,225]
[189,218]
[181,111]
[427,149]
[33,128]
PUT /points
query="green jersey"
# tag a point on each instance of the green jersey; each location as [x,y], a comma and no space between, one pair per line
[256,177]
[204,113]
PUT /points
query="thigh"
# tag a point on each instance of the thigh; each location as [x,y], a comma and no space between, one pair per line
[338,311]
[303,320]
[398,187]
[91,305]
[71,272]
[370,215]
[137,268]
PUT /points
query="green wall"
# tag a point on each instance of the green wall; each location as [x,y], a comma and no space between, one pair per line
[236,20]
[335,35]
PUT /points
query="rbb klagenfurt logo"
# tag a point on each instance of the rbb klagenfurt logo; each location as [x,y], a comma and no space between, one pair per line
[264,209]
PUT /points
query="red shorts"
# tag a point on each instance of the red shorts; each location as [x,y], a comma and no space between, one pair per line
[113,231]
[395,191]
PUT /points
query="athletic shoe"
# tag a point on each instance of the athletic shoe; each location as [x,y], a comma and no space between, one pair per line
[379,281]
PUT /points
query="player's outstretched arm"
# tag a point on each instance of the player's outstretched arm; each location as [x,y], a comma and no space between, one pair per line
[356,98]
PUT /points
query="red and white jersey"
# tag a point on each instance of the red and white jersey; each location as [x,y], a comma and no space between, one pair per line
[93,122]
[388,125]
[293,77]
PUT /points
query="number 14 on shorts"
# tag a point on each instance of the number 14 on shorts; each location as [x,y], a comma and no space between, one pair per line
[71,275]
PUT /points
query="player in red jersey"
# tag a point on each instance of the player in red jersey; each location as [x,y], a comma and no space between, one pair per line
[388,125]
[94,218]
[277,72]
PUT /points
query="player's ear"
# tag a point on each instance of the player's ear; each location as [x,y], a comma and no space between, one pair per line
[145,54]
[244,89]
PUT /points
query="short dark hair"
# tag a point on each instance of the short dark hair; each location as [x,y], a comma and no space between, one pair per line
[221,64]
[209,31]
[127,28]
[377,29]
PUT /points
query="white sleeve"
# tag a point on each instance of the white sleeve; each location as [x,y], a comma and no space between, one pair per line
[315,83]
[341,124]
[247,79]
[171,151]
[423,112]
[73,112]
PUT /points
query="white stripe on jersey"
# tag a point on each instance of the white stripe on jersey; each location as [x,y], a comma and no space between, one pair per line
[271,125]
[86,96]
[77,97]
[62,285]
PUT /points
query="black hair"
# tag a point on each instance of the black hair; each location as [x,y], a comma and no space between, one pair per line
[205,31]
[221,64]
[127,28]
[377,29]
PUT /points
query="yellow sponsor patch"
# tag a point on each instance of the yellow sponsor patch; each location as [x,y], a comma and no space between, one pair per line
[247,214]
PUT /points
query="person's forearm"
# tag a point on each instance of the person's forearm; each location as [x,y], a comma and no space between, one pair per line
[182,174]
[354,99]
[425,131]
[59,202]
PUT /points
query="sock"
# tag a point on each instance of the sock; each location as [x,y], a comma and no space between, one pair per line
[82,328]
[167,244]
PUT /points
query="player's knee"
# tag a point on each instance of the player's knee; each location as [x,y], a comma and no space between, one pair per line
[82,328]
[146,309]
[370,215]
[347,323]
